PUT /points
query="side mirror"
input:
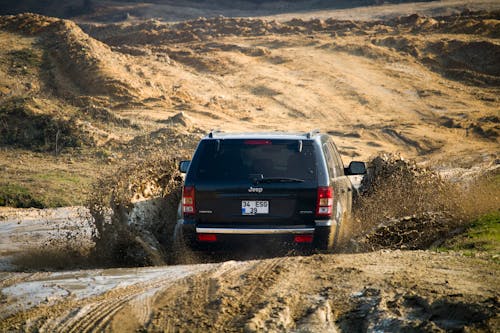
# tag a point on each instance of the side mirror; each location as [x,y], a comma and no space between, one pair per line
[356,168]
[184,166]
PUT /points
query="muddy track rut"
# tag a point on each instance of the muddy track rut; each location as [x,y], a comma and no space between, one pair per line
[385,290]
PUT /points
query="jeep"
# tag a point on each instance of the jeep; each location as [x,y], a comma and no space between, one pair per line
[256,186]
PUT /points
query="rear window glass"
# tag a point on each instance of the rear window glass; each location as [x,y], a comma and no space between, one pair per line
[240,160]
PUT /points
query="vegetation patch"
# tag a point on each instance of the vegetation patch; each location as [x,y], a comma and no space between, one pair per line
[21,125]
[482,236]
[14,195]
[60,188]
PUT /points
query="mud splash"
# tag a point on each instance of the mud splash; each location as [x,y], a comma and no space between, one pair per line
[131,215]
[134,212]
[403,205]
[45,239]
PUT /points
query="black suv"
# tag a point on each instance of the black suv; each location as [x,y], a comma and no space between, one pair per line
[248,186]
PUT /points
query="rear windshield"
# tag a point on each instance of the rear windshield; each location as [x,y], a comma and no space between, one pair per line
[240,160]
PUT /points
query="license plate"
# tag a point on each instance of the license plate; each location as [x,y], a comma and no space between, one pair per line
[254,207]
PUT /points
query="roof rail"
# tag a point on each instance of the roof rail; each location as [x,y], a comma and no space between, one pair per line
[212,132]
[312,133]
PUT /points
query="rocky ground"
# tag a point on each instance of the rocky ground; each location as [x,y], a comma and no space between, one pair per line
[95,110]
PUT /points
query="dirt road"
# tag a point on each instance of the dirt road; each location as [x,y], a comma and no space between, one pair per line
[378,291]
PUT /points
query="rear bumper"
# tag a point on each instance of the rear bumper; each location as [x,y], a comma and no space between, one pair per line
[256,230]
[241,234]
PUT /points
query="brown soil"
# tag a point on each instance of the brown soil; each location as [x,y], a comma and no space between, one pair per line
[115,104]
[386,291]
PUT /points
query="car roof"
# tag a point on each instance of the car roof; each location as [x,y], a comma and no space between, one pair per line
[263,135]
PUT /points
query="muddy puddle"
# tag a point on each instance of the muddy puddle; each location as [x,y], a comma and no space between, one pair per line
[41,239]
[50,288]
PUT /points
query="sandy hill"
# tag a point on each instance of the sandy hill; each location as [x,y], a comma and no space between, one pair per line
[423,86]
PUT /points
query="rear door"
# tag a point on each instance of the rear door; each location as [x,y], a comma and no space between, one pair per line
[255,182]
[339,182]
[346,182]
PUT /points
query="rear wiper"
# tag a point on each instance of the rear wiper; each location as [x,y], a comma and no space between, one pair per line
[280,180]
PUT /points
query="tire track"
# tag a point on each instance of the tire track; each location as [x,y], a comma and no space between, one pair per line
[97,317]
[217,300]
[98,312]
[256,281]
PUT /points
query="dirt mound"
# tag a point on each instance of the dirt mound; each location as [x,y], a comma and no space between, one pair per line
[460,58]
[134,212]
[482,23]
[471,61]
[93,67]
[464,60]
[26,122]
[31,24]
[157,33]
[45,125]
[77,64]
[204,29]
[179,119]
[174,141]
[102,114]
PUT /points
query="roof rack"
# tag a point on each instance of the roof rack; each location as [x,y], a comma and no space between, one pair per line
[312,133]
[212,132]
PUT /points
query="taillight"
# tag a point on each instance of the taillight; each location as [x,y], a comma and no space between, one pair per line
[188,207]
[325,201]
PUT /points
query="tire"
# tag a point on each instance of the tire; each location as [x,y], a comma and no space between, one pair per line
[329,237]
[179,248]
[182,252]
[344,232]
[324,238]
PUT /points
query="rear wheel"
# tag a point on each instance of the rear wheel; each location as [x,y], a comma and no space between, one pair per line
[324,238]
[181,253]
[344,232]
[328,238]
